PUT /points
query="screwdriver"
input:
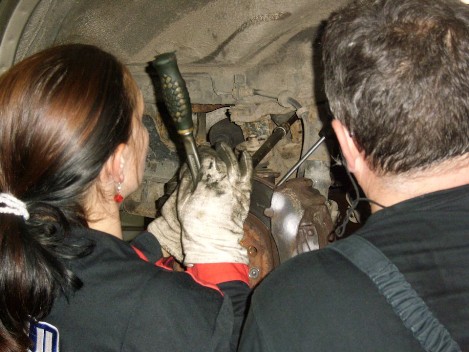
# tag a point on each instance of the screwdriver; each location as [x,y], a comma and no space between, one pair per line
[177,100]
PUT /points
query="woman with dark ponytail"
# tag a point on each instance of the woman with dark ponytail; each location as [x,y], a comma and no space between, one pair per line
[72,146]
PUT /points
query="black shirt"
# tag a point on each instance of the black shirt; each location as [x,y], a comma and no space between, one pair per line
[319,301]
[127,304]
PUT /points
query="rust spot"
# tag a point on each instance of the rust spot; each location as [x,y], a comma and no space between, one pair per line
[198,108]
[263,253]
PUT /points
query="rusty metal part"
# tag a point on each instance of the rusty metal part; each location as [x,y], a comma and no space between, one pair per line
[262,251]
[316,225]
[204,108]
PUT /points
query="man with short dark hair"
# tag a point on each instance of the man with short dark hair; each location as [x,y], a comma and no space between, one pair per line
[397,80]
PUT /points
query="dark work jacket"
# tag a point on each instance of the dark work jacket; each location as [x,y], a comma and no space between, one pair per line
[319,301]
[127,304]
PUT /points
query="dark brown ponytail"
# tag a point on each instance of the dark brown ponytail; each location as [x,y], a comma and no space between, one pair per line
[63,112]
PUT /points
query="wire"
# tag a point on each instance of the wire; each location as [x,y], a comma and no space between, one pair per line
[340,230]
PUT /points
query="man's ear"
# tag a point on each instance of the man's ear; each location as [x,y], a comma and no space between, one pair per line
[353,156]
[113,169]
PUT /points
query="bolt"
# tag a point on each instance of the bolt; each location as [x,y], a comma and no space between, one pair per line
[252,251]
[269,212]
[254,273]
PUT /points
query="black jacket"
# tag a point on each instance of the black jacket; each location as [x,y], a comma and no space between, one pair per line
[319,301]
[127,304]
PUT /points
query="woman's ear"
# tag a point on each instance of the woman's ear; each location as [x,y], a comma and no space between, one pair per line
[353,156]
[113,169]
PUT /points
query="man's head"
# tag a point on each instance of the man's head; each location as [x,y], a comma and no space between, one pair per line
[397,77]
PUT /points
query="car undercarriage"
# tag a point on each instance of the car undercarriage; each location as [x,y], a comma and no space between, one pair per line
[249,66]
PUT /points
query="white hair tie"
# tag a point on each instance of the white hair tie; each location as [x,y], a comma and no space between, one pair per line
[9,204]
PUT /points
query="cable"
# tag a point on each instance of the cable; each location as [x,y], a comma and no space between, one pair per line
[340,230]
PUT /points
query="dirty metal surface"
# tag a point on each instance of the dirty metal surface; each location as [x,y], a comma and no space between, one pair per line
[262,251]
[316,225]
[300,219]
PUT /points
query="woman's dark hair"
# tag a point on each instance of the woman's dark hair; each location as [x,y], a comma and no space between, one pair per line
[397,75]
[63,112]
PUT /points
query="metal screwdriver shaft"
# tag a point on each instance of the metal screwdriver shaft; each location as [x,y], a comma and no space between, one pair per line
[301,161]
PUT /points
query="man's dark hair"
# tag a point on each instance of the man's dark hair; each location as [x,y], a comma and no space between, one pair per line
[397,76]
